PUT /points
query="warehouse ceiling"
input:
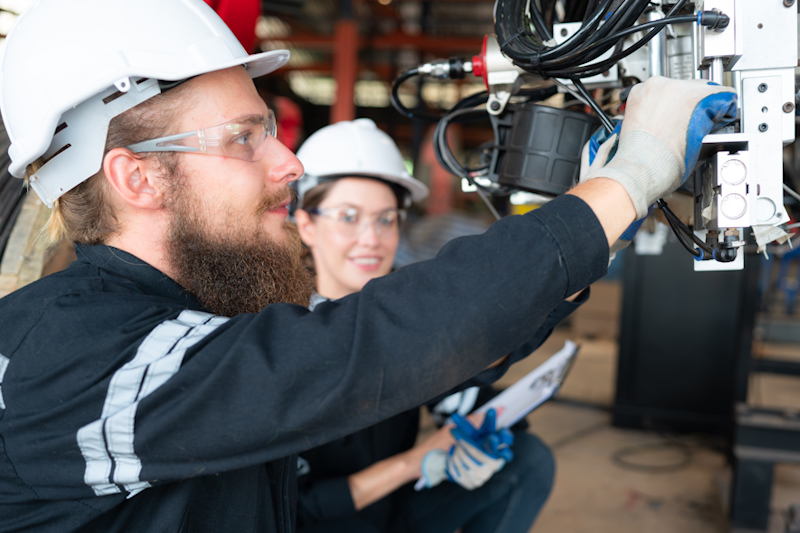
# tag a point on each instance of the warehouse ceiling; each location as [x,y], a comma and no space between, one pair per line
[394,35]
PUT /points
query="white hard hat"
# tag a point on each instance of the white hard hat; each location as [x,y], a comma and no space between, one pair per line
[63,61]
[354,148]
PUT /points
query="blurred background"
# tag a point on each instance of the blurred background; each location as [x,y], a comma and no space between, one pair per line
[682,413]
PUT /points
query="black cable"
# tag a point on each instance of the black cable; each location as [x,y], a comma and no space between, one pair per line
[659,24]
[445,155]
[621,457]
[526,53]
[469,101]
[581,433]
[569,59]
[605,26]
[598,68]
[682,239]
[442,150]
[396,85]
[684,444]
[675,221]
[398,105]
[539,23]
[603,44]
[644,40]
[608,124]
[586,31]
[684,234]
[468,110]
[446,158]
[623,17]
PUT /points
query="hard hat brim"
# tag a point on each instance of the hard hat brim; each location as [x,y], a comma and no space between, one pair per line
[418,190]
[256,65]
[261,64]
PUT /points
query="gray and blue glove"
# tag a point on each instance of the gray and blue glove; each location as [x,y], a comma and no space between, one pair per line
[601,147]
[661,135]
[476,456]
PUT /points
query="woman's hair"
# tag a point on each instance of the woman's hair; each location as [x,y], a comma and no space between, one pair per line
[84,213]
[315,196]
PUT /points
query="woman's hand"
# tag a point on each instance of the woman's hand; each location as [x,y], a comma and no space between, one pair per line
[478,452]
[384,477]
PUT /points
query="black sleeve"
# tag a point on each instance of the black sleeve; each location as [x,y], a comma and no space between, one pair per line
[489,376]
[323,500]
[293,379]
[172,394]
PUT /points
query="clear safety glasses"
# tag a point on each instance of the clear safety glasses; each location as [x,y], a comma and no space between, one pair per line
[351,221]
[243,138]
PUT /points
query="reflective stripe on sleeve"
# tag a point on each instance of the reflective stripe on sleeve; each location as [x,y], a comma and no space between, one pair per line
[3,366]
[107,443]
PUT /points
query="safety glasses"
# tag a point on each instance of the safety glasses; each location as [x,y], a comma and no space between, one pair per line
[243,138]
[351,222]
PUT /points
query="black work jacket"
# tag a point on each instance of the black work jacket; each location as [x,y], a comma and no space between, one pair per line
[125,406]
[324,492]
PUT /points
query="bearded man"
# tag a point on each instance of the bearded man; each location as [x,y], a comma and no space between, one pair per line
[167,379]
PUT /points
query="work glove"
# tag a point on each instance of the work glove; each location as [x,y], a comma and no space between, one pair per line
[601,147]
[476,456]
[661,136]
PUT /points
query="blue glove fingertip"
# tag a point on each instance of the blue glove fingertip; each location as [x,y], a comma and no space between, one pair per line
[712,112]
[499,445]
[599,137]
[493,442]
[507,436]
[463,425]
[489,422]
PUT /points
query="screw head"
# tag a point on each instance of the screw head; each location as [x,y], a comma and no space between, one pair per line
[762,87]
[788,3]
[788,107]
[495,106]
[763,127]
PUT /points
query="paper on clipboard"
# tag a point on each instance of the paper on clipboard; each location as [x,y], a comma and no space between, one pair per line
[538,386]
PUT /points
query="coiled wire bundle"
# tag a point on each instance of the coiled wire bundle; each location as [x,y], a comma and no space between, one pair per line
[526,39]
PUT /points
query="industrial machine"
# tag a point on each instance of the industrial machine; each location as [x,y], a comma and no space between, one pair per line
[591,52]
[736,194]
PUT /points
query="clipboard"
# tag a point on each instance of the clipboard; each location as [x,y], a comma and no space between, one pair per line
[536,387]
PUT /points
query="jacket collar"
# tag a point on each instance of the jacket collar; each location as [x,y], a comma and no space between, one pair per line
[124,266]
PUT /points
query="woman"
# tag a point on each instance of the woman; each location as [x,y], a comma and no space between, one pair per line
[351,201]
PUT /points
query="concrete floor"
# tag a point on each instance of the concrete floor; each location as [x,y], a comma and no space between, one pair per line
[593,493]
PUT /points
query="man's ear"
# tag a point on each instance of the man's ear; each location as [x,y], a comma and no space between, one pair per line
[305,227]
[134,178]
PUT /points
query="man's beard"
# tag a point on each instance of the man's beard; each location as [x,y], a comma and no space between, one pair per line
[233,271]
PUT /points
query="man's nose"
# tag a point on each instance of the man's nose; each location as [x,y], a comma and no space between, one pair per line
[282,164]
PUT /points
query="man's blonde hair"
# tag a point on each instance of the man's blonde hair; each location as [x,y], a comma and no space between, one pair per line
[84,213]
